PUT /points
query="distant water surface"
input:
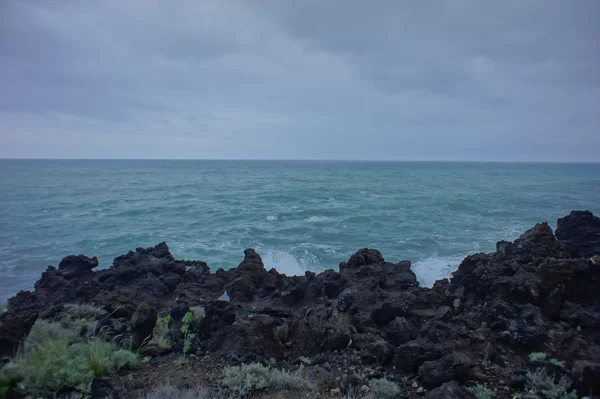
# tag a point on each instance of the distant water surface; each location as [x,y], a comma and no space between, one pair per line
[298,215]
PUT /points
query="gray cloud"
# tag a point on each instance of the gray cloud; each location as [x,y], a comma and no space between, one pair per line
[463,79]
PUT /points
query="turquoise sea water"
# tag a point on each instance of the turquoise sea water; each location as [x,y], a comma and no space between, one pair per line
[298,215]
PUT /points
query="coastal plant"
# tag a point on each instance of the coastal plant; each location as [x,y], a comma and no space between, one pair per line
[255,377]
[305,360]
[384,389]
[188,335]
[557,362]
[198,312]
[49,361]
[172,392]
[4,384]
[160,334]
[482,391]
[85,311]
[537,357]
[546,386]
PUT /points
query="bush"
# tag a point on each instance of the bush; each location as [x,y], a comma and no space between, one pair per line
[537,357]
[172,392]
[77,311]
[482,391]
[53,358]
[557,362]
[384,389]
[254,377]
[546,386]
[160,334]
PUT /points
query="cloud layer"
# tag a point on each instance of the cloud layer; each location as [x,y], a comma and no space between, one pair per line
[312,79]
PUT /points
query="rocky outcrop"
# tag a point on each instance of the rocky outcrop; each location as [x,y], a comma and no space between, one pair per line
[538,293]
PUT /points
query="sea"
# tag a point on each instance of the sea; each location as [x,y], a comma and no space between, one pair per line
[299,215]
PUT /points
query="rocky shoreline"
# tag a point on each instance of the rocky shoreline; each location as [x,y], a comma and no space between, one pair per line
[342,329]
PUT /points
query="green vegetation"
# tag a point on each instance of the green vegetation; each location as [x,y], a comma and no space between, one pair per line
[537,357]
[557,362]
[545,386]
[482,391]
[54,357]
[172,392]
[198,312]
[85,311]
[254,377]
[305,360]
[384,389]
[160,334]
[188,336]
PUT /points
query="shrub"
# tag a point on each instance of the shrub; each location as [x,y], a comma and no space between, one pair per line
[188,335]
[77,311]
[537,357]
[53,357]
[557,362]
[172,392]
[384,389]
[482,391]
[254,377]
[546,386]
[160,334]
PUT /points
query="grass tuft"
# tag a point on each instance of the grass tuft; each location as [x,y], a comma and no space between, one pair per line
[254,377]
[539,382]
[482,391]
[160,334]
[172,392]
[53,357]
[384,389]
[537,357]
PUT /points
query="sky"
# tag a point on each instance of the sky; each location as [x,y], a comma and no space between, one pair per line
[466,80]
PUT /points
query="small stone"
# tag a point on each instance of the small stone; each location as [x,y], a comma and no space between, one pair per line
[289,344]
[578,329]
[364,389]
[420,390]
[147,358]
[484,324]
[335,391]
[326,366]
[456,303]
[596,259]
[415,385]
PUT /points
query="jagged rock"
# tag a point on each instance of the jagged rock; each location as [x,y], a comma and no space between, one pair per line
[21,313]
[102,389]
[455,366]
[580,232]
[450,390]
[77,264]
[538,293]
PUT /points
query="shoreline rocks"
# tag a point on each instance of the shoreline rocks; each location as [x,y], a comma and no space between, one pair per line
[540,293]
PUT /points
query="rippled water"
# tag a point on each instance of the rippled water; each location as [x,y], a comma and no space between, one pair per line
[298,215]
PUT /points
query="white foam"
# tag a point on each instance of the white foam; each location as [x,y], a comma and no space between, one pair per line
[271,218]
[282,261]
[317,219]
[435,268]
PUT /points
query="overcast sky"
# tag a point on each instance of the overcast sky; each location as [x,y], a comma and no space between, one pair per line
[310,79]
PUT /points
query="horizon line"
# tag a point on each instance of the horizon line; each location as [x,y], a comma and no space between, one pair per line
[300,160]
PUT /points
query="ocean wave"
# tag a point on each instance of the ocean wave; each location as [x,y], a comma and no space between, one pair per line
[318,219]
[271,218]
[283,262]
[435,268]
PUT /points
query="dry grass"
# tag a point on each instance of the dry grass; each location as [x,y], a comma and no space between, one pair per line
[173,392]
